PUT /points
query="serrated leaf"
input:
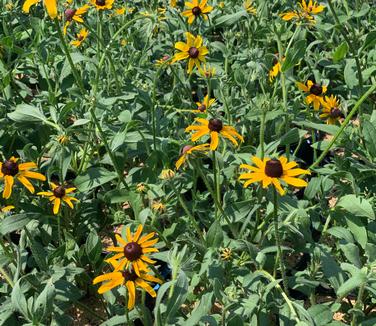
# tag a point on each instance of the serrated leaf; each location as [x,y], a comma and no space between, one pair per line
[357,206]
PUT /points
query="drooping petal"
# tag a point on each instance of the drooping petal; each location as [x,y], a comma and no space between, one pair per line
[204,131]
[8,185]
[141,283]
[26,183]
[33,175]
[214,140]
[180,161]
[105,277]
[131,294]
[27,4]
[57,203]
[277,185]
[51,7]
[110,285]
[302,87]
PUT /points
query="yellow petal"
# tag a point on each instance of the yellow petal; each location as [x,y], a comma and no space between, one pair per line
[57,203]
[26,183]
[131,294]
[51,7]
[27,4]
[214,140]
[8,185]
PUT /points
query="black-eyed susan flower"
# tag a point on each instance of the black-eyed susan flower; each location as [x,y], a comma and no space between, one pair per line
[133,250]
[331,111]
[316,92]
[273,171]
[11,170]
[197,9]
[81,36]
[249,7]
[214,128]
[158,207]
[131,280]
[74,15]
[276,69]
[63,139]
[58,196]
[189,150]
[50,5]
[193,50]
[173,3]
[102,4]
[166,174]
[305,12]
[226,253]
[207,71]
[203,106]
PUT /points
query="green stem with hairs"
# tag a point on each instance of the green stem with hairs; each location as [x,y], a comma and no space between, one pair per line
[343,126]
[279,242]
[358,303]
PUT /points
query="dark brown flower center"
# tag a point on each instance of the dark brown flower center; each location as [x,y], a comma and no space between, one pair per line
[193,52]
[132,251]
[100,2]
[273,168]
[59,192]
[316,89]
[9,168]
[202,108]
[215,125]
[335,112]
[69,13]
[129,275]
[196,11]
[80,37]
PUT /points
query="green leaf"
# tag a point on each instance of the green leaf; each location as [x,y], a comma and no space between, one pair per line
[329,129]
[19,300]
[350,74]
[94,177]
[321,314]
[178,297]
[369,134]
[214,236]
[332,270]
[351,284]
[357,206]
[201,310]
[351,252]
[93,246]
[357,228]
[44,304]
[230,19]
[16,222]
[370,41]
[340,52]
[295,55]
[341,233]
[27,113]
[292,136]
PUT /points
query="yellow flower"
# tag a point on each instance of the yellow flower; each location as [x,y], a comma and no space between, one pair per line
[120,11]
[9,6]
[315,91]
[305,13]
[272,171]
[63,139]
[11,170]
[226,253]
[249,8]
[331,111]
[197,9]
[189,150]
[276,69]
[141,187]
[205,105]
[193,50]
[131,280]
[159,207]
[50,5]
[6,209]
[74,14]
[221,5]
[102,4]
[58,195]
[173,3]
[166,174]
[207,72]
[132,251]
[81,36]
[213,128]
[123,42]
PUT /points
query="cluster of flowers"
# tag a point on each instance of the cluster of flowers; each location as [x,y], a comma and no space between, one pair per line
[268,171]
[11,170]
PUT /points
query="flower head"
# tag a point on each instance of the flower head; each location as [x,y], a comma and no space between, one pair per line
[158,206]
[59,195]
[203,106]
[81,36]
[189,150]
[193,50]
[11,170]
[131,280]
[132,250]
[102,4]
[249,8]
[74,15]
[276,69]
[166,174]
[273,171]
[141,187]
[316,92]
[226,253]
[6,209]
[214,128]
[331,111]
[197,9]
[207,71]
[305,12]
